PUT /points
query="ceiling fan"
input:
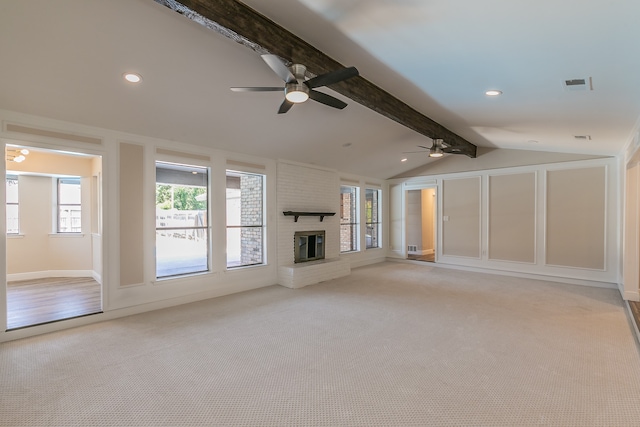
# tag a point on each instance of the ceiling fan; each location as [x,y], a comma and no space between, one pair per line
[297,88]
[437,149]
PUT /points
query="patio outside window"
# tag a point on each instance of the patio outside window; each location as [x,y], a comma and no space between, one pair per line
[182,224]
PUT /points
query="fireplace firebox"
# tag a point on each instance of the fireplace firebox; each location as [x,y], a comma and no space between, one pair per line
[309,246]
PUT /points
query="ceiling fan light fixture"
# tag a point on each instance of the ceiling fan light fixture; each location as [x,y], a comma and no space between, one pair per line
[436,149]
[296,93]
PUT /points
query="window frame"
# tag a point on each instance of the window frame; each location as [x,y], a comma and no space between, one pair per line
[354,224]
[206,217]
[377,224]
[60,205]
[8,203]
[262,225]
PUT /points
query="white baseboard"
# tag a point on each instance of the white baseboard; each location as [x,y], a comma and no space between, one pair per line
[96,277]
[628,295]
[33,275]
[569,280]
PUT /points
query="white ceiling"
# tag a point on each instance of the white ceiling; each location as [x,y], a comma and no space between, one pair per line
[64,59]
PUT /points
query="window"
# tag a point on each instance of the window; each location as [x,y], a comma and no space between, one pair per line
[13,221]
[182,219]
[372,208]
[245,219]
[69,205]
[349,223]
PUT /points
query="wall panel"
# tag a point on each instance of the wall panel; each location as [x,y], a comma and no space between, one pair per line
[461,217]
[575,217]
[131,189]
[512,217]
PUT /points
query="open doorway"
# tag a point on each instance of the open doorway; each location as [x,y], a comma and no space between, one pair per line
[54,235]
[421,224]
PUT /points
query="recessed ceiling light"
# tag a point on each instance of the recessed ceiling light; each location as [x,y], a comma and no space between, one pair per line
[132,77]
[493,92]
[403,160]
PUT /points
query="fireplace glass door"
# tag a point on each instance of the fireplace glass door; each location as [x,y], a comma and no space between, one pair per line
[309,246]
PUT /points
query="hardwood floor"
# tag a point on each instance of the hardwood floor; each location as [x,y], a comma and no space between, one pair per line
[635,310]
[33,302]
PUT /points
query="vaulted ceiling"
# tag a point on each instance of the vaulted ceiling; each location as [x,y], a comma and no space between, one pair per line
[65,60]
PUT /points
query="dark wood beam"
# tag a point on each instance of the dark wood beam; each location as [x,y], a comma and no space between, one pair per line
[253,30]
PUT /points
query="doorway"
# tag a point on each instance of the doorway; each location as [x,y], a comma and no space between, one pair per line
[421,224]
[54,235]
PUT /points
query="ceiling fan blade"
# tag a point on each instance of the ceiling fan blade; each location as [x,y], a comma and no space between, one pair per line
[426,148]
[451,150]
[257,89]
[279,68]
[285,106]
[325,99]
[332,77]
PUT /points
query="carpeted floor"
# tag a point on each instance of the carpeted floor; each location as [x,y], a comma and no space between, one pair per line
[393,344]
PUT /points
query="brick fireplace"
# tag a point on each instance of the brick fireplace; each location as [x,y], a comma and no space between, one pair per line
[307,188]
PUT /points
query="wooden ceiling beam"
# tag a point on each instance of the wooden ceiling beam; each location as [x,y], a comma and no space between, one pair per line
[253,30]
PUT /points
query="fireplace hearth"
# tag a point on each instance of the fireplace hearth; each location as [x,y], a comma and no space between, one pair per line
[308,246]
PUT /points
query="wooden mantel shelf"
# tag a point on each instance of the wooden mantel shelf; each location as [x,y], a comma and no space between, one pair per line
[296,215]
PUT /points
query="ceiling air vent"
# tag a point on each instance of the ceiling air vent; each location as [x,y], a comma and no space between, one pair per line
[583,137]
[578,84]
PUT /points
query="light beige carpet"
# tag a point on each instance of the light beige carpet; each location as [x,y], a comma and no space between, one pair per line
[391,345]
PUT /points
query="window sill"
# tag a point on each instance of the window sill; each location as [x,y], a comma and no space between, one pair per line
[15,236]
[244,267]
[351,252]
[169,279]
[66,235]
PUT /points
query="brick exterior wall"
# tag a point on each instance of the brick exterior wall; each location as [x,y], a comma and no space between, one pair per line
[251,202]
[348,233]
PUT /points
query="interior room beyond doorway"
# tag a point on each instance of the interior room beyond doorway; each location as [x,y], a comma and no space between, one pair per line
[54,236]
[420,224]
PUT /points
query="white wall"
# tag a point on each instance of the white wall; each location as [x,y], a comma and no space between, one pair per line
[470,210]
[38,251]
[148,293]
[313,188]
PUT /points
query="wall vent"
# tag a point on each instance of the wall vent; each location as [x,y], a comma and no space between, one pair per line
[578,84]
[412,248]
